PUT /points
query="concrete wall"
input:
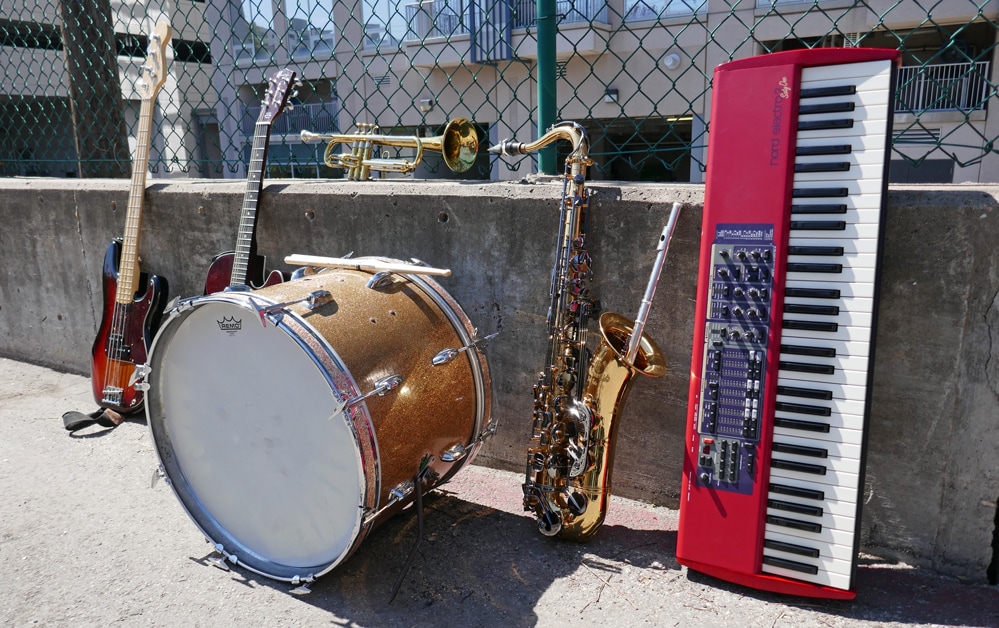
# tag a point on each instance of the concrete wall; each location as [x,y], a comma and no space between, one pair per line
[932,465]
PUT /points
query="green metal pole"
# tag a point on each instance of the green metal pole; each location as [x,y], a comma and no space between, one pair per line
[547,105]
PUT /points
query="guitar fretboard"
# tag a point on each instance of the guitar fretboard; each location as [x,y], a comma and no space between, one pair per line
[128,267]
[248,215]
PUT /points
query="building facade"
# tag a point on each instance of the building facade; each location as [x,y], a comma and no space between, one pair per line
[635,73]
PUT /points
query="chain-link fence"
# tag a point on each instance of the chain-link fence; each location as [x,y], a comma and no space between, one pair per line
[636,73]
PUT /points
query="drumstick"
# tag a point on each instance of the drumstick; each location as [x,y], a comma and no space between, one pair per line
[365,264]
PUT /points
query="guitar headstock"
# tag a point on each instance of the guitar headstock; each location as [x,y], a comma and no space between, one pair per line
[153,73]
[280,86]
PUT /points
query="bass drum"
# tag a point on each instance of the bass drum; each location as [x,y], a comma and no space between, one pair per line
[291,420]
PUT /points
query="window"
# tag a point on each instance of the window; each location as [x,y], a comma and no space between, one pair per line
[310,28]
[385,23]
[253,30]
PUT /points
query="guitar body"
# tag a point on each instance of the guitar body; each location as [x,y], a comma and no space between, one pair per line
[124,336]
[220,273]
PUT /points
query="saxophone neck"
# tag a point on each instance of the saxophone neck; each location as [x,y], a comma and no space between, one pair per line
[571,131]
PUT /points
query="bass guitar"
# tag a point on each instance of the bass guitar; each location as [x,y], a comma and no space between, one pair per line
[242,267]
[133,301]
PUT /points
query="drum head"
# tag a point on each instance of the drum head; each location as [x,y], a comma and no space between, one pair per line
[242,418]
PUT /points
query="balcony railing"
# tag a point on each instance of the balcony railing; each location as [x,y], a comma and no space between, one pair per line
[315,117]
[444,18]
[436,18]
[637,10]
[943,87]
[525,12]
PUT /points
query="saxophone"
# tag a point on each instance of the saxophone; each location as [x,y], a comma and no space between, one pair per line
[579,398]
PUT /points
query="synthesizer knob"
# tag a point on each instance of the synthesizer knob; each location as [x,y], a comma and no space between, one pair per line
[739,292]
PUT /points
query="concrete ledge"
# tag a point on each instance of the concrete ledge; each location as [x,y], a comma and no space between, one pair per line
[932,478]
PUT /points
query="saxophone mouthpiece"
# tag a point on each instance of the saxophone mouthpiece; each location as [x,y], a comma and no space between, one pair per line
[508,148]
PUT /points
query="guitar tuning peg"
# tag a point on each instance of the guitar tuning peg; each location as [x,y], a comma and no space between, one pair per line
[298,83]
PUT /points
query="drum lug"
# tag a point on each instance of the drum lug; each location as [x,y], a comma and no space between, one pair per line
[382,387]
[454,454]
[400,491]
[448,355]
[379,280]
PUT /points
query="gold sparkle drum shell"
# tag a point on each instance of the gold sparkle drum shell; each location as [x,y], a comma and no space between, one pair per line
[265,417]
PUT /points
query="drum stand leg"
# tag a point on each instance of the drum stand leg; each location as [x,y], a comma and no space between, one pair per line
[418,484]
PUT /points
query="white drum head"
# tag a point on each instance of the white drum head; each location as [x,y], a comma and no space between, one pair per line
[241,416]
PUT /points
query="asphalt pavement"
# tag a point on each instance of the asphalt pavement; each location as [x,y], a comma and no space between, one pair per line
[87,539]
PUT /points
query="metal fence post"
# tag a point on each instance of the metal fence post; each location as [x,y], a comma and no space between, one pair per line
[547,104]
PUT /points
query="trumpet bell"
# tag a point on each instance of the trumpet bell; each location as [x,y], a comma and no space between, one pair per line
[459,144]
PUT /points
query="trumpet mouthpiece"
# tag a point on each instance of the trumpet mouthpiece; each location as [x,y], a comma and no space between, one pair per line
[308,136]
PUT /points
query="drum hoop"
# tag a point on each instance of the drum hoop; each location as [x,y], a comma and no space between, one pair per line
[477,362]
[358,421]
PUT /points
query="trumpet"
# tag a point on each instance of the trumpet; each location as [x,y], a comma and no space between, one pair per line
[458,144]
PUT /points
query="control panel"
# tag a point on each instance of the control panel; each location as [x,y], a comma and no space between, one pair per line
[735,356]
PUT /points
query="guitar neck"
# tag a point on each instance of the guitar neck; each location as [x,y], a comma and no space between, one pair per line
[128,267]
[245,239]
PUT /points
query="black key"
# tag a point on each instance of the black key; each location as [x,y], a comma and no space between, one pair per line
[819,192]
[812,293]
[804,426]
[823,92]
[797,491]
[821,125]
[827,107]
[819,225]
[802,408]
[831,149]
[790,564]
[823,166]
[807,367]
[787,522]
[830,251]
[799,467]
[804,393]
[791,548]
[800,509]
[809,325]
[801,450]
[818,352]
[818,310]
[813,267]
[824,208]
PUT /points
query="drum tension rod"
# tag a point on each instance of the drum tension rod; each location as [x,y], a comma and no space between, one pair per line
[313,300]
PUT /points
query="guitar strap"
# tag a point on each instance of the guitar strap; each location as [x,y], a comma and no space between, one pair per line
[105,417]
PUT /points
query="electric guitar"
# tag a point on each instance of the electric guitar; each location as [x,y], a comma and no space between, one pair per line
[243,267]
[130,317]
